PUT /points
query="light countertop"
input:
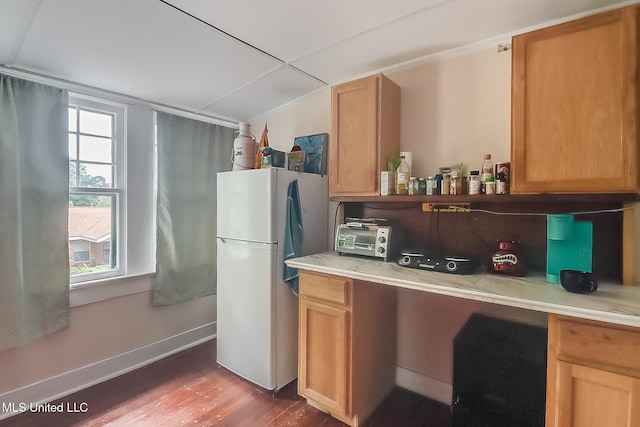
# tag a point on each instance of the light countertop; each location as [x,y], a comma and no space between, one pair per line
[611,303]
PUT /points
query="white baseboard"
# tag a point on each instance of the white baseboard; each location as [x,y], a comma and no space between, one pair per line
[430,387]
[70,382]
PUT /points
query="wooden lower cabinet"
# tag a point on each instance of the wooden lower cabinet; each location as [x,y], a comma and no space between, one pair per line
[324,373]
[347,352]
[593,374]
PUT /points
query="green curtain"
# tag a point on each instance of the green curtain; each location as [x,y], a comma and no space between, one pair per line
[34,201]
[190,153]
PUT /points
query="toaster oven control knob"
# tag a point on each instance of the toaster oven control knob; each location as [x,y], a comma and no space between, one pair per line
[382,239]
[381,250]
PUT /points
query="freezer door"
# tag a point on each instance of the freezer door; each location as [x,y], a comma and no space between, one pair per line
[246,341]
[245,208]
[314,204]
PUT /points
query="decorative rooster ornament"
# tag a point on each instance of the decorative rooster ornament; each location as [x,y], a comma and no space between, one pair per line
[264,143]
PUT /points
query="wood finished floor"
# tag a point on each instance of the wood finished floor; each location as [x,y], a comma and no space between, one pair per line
[191,389]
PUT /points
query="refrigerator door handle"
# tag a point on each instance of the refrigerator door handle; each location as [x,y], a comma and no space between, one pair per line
[245,242]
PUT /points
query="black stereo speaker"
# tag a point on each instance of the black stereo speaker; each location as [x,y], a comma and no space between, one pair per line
[417,259]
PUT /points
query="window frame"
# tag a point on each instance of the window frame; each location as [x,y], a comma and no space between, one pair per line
[117,190]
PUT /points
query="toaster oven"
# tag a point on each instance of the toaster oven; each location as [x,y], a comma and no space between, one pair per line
[366,238]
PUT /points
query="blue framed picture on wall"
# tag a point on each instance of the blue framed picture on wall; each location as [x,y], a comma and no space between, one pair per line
[315,147]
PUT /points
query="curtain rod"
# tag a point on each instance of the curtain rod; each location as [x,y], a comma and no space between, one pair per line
[112,96]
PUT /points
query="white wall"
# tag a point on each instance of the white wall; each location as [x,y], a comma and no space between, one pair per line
[454,110]
[100,331]
[311,116]
[105,338]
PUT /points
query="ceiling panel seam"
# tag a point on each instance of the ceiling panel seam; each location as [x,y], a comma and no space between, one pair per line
[25,25]
[231,36]
[370,30]
[241,87]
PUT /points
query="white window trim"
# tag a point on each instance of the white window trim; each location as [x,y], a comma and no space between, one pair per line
[136,206]
[119,112]
[100,290]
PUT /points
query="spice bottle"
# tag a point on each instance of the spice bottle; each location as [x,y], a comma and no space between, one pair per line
[490,187]
[474,183]
[422,186]
[413,186]
[446,184]
[455,186]
[502,187]
[431,184]
[438,189]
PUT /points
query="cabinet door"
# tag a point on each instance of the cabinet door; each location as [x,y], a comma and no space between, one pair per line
[589,397]
[574,106]
[322,364]
[353,150]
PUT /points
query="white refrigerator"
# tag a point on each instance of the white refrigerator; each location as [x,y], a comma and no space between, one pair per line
[257,312]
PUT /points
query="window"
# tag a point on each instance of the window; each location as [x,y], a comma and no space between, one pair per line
[96,183]
[81,251]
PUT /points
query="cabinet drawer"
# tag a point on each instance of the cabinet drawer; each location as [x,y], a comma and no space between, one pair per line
[323,287]
[598,343]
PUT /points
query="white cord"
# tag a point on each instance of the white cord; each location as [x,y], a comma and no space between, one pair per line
[545,214]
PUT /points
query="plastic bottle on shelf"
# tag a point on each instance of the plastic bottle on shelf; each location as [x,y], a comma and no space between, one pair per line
[486,173]
[403,174]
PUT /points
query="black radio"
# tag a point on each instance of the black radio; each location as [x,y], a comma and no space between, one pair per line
[417,259]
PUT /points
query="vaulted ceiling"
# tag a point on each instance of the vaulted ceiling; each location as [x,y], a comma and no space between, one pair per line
[238,59]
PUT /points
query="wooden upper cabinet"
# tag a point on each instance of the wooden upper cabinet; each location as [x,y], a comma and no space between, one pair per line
[365,129]
[575,106]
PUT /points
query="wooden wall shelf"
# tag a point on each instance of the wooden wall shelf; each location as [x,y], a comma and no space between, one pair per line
[601,198]
[474,236]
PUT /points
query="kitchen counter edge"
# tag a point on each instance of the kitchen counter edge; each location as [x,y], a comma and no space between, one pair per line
[611,303]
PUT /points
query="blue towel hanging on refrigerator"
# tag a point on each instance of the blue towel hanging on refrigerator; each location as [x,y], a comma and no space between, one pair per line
[293,235]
